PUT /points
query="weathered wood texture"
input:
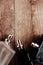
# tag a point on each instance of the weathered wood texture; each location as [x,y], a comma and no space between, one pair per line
[37,18]
[23,23]
[6,17]
[26,21]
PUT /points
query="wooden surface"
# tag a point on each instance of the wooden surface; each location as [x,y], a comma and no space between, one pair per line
[6,17]
[28,20]
[23,23]
[23,18]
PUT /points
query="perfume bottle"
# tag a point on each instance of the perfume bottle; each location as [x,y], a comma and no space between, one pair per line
[32,50]
[6,52]
[22,55]
[36,52]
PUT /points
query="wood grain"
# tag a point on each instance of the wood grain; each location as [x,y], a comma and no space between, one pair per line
[28,20]
[23,24]
[6,17]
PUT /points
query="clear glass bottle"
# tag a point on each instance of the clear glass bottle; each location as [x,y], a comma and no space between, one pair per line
[6,52]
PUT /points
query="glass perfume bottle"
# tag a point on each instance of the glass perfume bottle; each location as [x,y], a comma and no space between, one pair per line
[22,55]
[6,52]
[36,52]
